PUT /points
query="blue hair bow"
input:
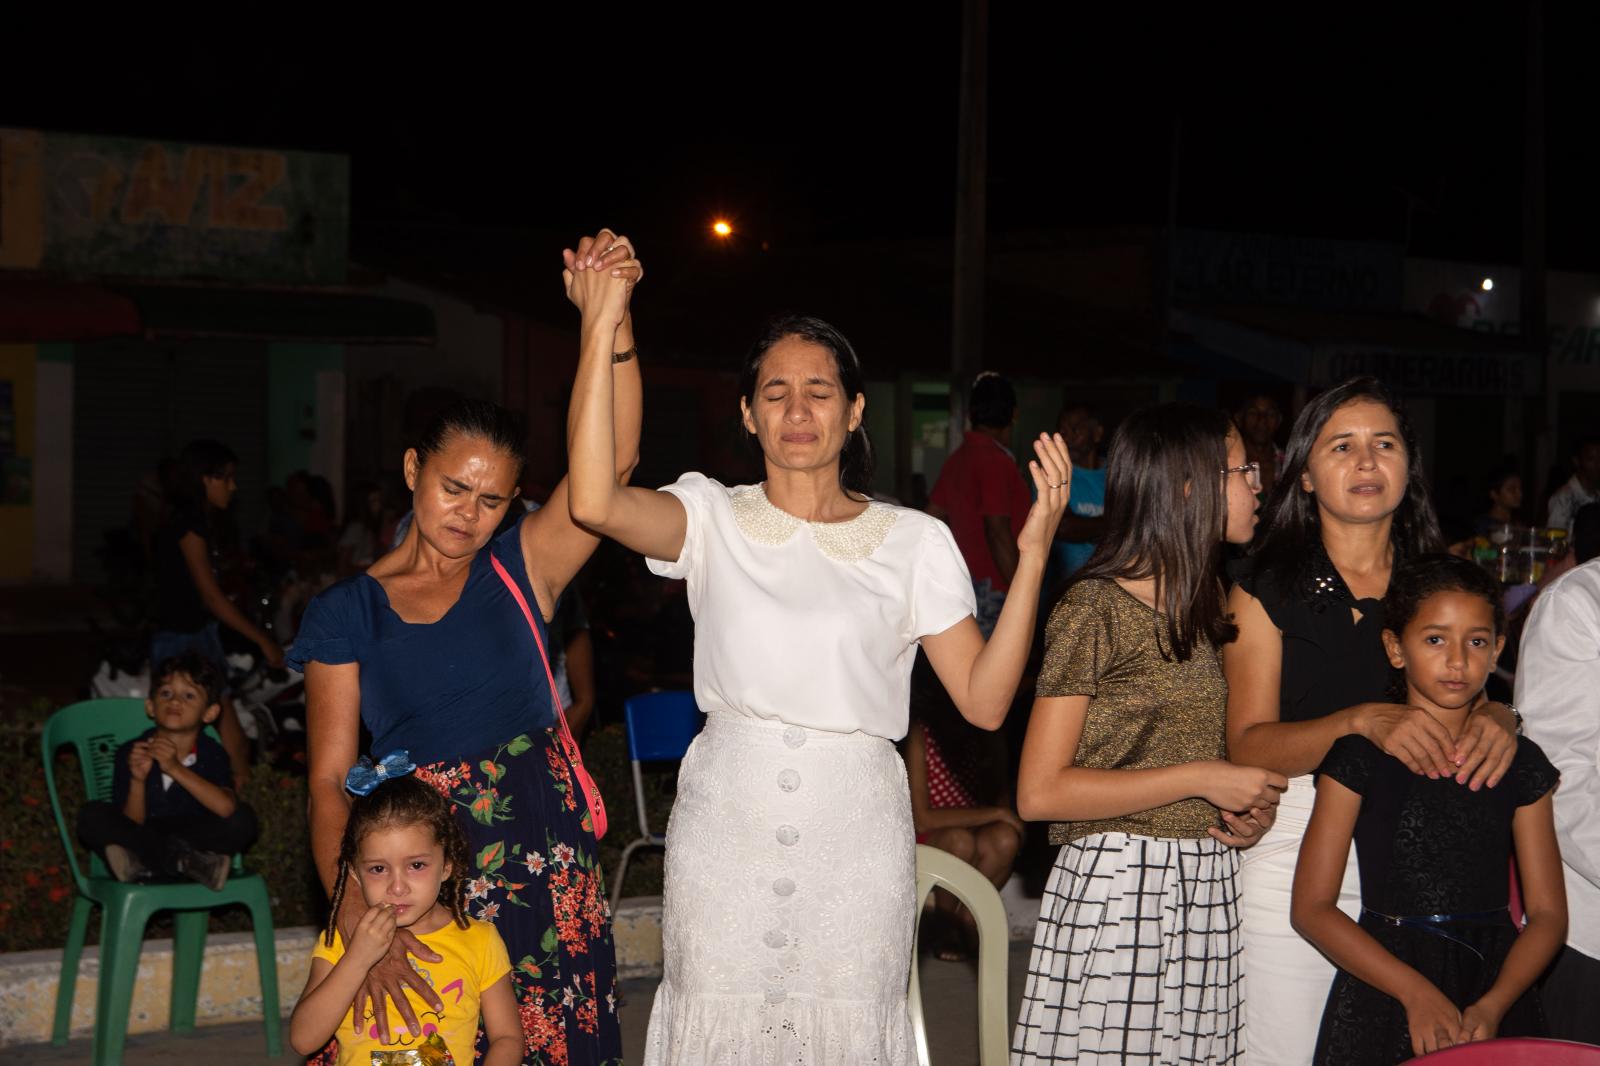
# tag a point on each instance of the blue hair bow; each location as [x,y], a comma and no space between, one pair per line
[364,776]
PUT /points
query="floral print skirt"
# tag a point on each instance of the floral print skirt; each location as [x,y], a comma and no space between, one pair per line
[537,877]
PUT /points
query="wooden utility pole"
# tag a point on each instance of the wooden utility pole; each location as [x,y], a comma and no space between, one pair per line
[972,186]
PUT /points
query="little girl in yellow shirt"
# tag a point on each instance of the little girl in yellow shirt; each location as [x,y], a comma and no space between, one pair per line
[404,849]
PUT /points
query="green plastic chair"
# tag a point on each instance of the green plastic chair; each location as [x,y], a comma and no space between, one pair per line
[96,728]
[940,869]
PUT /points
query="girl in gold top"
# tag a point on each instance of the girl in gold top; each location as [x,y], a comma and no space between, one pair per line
[1136,953]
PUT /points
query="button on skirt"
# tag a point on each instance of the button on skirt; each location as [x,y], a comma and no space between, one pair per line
[789,900]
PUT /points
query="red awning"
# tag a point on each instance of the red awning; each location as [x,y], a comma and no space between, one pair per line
[35,311]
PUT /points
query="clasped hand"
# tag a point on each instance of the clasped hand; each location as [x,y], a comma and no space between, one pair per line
[145,754]
[599,275]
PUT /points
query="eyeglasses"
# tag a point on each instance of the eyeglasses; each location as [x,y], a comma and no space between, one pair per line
[1251,472]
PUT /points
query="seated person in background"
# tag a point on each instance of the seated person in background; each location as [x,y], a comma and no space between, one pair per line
[173,811]
[1582,489]
[1503,487]
[960,801]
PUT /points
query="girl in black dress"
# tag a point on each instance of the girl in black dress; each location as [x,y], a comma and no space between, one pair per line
[1436,959]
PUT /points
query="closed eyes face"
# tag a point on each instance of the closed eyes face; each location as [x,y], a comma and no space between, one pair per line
[1358,467]
[461,492]
[1447,649]
[402,865]
[800,413]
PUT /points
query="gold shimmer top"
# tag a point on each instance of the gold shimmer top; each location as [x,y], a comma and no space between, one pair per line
[1144,711]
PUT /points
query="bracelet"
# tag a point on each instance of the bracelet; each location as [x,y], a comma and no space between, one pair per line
[623,357]
[1518,716]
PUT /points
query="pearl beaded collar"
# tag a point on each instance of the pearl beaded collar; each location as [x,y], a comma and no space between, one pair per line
[845,542]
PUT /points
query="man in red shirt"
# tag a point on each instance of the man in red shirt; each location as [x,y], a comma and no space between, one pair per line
[981,495]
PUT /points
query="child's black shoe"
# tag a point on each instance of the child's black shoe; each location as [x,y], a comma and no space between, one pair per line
[206,867]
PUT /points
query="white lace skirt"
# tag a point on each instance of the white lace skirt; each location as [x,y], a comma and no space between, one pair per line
[790,884]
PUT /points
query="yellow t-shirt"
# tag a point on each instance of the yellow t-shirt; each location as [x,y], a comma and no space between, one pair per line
[474,959]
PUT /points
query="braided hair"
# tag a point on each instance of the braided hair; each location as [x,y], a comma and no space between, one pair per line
[404,801]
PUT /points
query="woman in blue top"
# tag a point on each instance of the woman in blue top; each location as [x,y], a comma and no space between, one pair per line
[430,650]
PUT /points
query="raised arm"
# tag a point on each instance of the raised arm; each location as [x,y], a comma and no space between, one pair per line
[982,677]
[554,547]
[650,522]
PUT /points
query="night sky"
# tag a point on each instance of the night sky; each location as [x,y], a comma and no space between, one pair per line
[815,124]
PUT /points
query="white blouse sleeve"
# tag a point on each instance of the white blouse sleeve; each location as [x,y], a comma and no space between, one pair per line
[941,586]
[697,494]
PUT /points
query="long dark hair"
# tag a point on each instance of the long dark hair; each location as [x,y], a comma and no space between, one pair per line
[199,460]
[1289,538]
[855,459]
[403,801]
[1165,518]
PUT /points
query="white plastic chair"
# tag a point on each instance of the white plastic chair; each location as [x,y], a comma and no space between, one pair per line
[940,869]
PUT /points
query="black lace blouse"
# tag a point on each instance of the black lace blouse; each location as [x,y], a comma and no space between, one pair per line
[1433,847]
[1330,659]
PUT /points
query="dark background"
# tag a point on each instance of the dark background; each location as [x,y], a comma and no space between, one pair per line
[817,123]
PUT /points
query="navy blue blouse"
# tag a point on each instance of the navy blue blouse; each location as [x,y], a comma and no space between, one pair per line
[446,690]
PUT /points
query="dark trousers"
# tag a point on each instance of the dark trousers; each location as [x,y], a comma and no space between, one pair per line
[159,842]
[1569,997]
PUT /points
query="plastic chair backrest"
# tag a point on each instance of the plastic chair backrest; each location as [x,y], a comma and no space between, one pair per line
[95,729]
[661,725]
[1515,1051]
[940,869]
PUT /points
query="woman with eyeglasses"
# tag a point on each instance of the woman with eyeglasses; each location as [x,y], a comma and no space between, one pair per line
[1135,955]
[1309,667]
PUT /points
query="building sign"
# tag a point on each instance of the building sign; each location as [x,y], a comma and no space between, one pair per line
[1210,265]
[81,205]
[1434,373]
[1454,293]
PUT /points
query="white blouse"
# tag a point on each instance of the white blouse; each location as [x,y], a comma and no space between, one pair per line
[813,624]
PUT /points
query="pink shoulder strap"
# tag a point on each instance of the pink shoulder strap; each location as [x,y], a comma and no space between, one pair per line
[544,656]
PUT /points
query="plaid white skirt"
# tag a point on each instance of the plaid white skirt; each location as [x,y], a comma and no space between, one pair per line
[1136,956]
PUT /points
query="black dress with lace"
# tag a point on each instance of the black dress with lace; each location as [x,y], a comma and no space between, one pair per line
[1427,848]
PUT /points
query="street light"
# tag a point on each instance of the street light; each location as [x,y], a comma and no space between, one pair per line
[722,228]
[1487,284]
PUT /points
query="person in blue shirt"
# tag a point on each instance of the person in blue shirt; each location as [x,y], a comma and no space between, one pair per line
[173,812]
[429,650]
[1080,426]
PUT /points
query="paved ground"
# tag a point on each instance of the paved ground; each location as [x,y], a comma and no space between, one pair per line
[949,995]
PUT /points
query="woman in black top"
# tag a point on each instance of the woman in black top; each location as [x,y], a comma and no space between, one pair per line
[1308,667]
[189,602]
